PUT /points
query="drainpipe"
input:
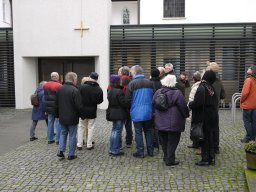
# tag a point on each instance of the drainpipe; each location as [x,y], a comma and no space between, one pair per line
[138,11]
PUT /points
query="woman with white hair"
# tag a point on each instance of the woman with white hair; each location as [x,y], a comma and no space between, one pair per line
[170,122]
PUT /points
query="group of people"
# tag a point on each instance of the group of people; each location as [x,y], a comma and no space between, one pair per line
[131,99]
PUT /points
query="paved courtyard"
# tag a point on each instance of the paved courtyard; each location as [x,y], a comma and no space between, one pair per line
[34,166]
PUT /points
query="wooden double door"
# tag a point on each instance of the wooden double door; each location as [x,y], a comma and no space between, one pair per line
[82,66]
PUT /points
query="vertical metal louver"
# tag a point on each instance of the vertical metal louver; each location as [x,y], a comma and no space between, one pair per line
[188,47]
[7,90]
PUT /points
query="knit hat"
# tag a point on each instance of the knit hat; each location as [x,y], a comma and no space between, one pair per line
[114,79]
[94,76]
[155,73]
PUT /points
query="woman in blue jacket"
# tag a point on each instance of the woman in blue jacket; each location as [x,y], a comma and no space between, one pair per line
[38,112]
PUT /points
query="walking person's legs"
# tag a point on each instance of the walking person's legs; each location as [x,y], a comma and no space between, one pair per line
[80,133]
[138,140]
[91,125]
[148,131]
[32,130]
[72,141]
[172,143]
[50,130]
[115,138]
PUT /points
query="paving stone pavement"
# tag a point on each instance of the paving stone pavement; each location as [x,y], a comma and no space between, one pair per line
[34,166]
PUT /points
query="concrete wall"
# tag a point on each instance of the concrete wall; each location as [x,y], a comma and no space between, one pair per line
[5,14]
[117,10]
[46,28]
[201,11]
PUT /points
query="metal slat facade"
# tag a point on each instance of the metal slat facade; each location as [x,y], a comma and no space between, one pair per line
[188,47]
[7,89]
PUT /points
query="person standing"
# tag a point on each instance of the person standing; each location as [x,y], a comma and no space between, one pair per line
[92,95]
[68,105]
[171,122]
[169,69]
[139,95]
[118,113]
[205,111]
[248,104]
[38,112]
[50,90]
[220,94]
[183,82]
[197,80]
[124,74]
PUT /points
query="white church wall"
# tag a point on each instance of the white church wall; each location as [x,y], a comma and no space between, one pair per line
[46,29]
[201,11]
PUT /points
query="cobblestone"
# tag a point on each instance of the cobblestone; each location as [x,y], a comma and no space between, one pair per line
[34,166]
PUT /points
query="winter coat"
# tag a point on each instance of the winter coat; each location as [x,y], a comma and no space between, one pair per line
[193,91]
[182,85]
[204,108]
[174,118]
[50,90]
[139,95]
[92,95]
[38,112]
[117,104]
[156,83]
[248,95]
[219,89]
[68,104]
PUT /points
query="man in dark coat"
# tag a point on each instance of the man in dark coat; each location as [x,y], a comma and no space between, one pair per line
[220,94]
[50,90]
[92,95]
[68,105]
[183,82]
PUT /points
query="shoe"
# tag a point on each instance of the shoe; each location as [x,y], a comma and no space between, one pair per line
[192,146]
[116,154]
[72,157]
[79,148]
[90,148]
[57,142]
[203,163]
[212,162]
[138,155]
[151,153]
[51,142]
[33,138]
[173,163]
[61,155]
[244,140]
[217,151]
[92,142]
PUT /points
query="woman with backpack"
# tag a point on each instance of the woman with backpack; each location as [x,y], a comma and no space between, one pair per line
[38,111]
[171,112]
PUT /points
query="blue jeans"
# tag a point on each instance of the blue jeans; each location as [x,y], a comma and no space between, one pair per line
[249,118]
[50,130]
[147,128]
[72,131]
[115,137]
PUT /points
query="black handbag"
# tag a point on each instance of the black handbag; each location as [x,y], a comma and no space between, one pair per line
[197,133]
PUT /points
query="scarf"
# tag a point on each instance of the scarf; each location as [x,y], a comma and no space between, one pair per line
[208,87]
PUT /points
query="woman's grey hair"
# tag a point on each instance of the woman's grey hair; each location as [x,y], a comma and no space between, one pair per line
[169,66]
[169,81]
[71,77]
[136,69]
[42,83]
[125,70]
[54,76]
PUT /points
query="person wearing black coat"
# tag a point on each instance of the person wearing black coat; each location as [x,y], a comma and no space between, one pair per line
[68,105]
[204,110]
[118,113]
[155,79]
[92,95]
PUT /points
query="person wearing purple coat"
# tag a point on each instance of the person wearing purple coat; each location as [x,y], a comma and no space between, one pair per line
[38,112]
[171,122]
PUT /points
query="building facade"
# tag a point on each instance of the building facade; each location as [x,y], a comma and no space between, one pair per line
[96,35]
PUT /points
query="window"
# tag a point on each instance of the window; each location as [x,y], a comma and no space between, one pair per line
[4,7]
[126,16]
[174,8]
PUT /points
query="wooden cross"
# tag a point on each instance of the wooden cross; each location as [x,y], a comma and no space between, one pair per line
[82,28]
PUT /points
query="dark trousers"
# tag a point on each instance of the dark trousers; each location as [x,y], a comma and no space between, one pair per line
[207,146]
[216,136]
[169,141]
[129,133]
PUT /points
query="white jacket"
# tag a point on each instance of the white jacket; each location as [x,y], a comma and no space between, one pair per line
[193,91]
